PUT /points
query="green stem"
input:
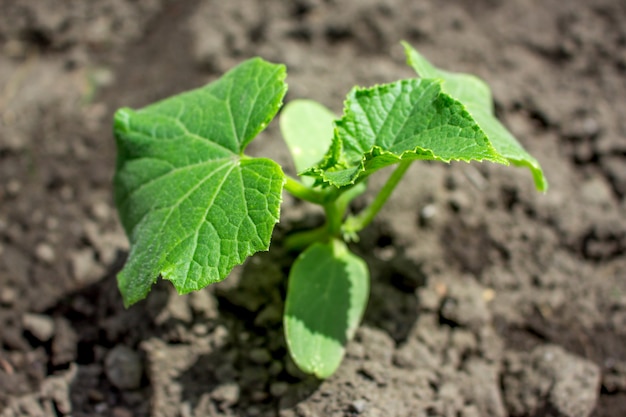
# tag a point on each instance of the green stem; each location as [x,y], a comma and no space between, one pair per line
[335,203]
[344,199]
[336,208]
[355,224]
[301,191]
[334,218]
[301,240]
[326,199]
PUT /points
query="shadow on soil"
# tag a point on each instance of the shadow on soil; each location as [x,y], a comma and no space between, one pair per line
[249,305]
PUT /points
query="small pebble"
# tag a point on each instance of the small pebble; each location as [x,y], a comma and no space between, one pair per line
[596,192]
[591,126]
[427,213]
[64,343]
[429,299]
[259,396]
[36,217]
[39,325]
[123,367]
[253,377]
[185,409]
[253,411]
[275,368]
[200,329]
[13,187]
[225,371]
[52,223]
[227,394]
[67,193]
[95,396]
[85,266]
[385,254]
[45,253]
[103,76]
[177,308]
[15,49]
[358,406]
[100,210]
[269,316]
[8,296]
[220,336]
[458,201]
[470,411]
[260,356]
[203,303]
[278,389]
[489,294]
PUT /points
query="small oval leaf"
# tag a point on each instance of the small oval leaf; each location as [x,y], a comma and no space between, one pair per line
[327,294]
[307,127]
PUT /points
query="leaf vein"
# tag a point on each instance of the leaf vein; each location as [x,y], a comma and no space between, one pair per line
[165,175]
[204,218]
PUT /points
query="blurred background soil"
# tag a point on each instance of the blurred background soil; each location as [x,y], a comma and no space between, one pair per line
[488,298]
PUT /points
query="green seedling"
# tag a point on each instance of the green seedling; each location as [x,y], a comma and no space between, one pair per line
[194,205]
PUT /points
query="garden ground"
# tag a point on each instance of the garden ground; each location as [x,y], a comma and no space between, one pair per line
[488,298]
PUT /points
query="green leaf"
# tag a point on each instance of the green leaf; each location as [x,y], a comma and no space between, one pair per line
[326,298]
[191,203]
[476,97]
[307,128]
[405,120]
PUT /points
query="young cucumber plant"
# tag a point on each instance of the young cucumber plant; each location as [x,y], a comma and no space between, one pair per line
[194,205]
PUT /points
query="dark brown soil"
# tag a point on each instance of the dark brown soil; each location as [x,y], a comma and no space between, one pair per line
[488,298]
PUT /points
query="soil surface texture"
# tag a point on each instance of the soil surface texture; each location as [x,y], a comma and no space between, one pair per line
[488,298]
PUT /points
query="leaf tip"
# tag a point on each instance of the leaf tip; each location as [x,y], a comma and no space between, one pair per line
[121,119]
[539,178]
[132,290]
[541,182]
[407,47]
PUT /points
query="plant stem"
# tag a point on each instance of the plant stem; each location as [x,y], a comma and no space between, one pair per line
[355,224]
[301,191]
[300,240]
[336,207]
[346,197]
[334,218]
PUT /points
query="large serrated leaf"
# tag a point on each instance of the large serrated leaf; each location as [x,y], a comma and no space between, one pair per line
[327,294]
[191,203]
[475,94]
[408,119]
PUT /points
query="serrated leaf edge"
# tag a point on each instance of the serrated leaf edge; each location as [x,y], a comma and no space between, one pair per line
[320,171]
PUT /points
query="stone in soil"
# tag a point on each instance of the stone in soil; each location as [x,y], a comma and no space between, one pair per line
[39,325]
[64,343]
[123,368]
[465,304]
[85,268]
[226,394]
[45,253]
[480,386]
[550,378]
